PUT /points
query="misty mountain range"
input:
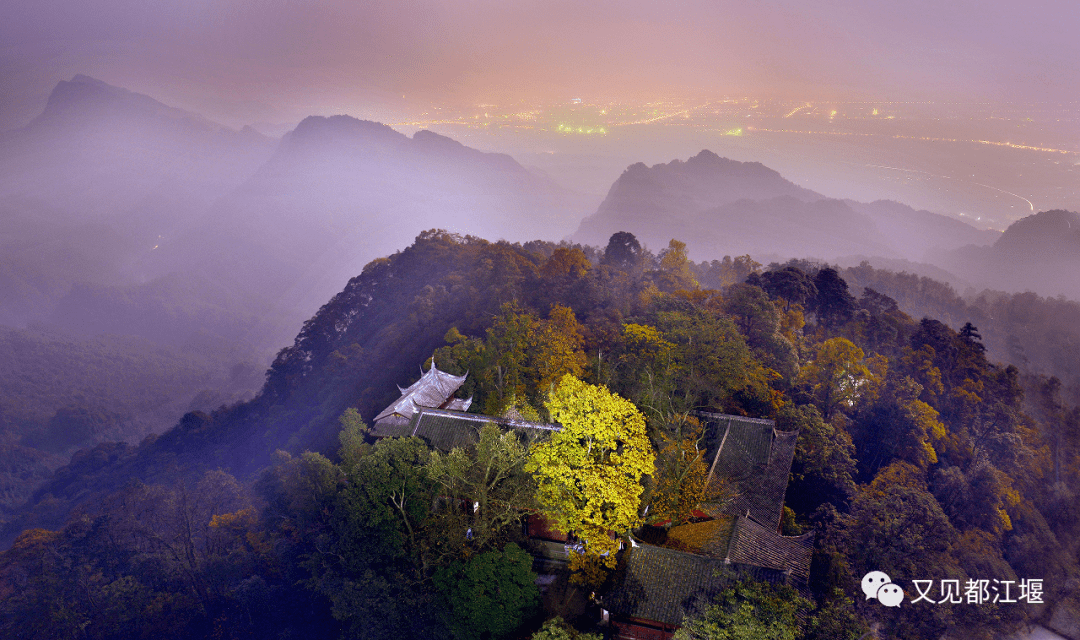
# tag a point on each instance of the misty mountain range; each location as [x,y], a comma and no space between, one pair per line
[1039,253]
[123,215]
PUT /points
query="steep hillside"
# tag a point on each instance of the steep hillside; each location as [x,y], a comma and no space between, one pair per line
[913,449]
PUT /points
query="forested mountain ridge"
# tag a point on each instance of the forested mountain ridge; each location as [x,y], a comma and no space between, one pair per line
[123,216]
[63,394]
[916,453]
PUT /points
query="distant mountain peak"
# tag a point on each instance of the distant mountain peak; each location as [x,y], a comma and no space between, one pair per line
[83,79]
[646,200]
[706,155]
[345,132]
[714,179]
[82,91]
[1053,231]
[435,145]
[344,123]
[430,137]
[82,97]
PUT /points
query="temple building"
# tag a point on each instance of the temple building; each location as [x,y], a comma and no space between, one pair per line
[434,390]
[658,586]
[754,459]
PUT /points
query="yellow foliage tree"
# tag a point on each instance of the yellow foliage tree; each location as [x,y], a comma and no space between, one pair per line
[589,473]
[674,273]
[558,347]
[838,376]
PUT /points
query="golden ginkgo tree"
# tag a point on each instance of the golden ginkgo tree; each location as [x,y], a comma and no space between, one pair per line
[589,473]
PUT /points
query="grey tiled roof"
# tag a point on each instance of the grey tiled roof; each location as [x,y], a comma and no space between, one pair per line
[757,458]
[754,545]
[665,585]
[710,538]
[393,426]
[743,542]
[434,389]
[443,429]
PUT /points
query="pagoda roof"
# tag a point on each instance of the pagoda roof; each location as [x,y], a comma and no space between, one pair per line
[433,389]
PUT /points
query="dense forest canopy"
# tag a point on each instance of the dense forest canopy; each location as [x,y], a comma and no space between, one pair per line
[918,454]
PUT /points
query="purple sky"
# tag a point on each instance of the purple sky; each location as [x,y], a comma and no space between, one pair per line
[277,60]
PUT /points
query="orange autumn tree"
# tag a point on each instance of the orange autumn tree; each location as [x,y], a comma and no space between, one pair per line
[681,473]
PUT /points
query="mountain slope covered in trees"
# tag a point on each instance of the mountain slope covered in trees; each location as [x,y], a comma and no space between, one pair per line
[917,455]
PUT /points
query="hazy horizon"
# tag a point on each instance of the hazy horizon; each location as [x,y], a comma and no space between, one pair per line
[241,62]
[957,79]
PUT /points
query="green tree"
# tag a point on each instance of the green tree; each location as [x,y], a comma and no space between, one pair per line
[367,549]
[590,471]
[832,304]
[836,619]
[491,594]
[557,629]
[898,425]
[759,321]
[645,362]
[388,491]
[824,465]
[748,611]
[557,348]
[623,252]
[489,475]
[674,273]
[351,437]
[507,351]
[790,284]
[713,365]
[897,526]
[679,481]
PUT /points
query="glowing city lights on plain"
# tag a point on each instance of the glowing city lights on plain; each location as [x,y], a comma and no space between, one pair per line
[566,128]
